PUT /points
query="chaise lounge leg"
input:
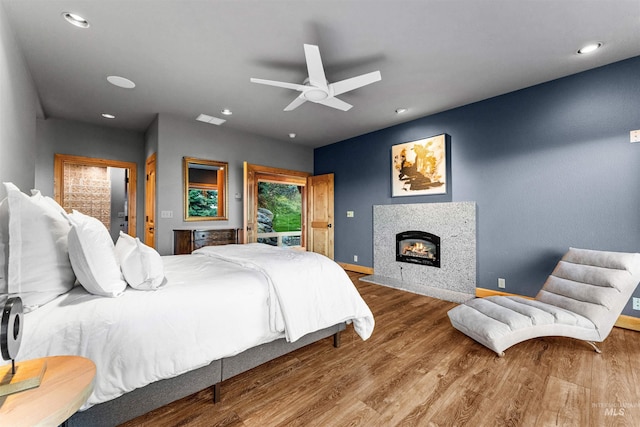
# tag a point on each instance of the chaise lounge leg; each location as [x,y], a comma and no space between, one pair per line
[592,344]
[216,393]
[336,339]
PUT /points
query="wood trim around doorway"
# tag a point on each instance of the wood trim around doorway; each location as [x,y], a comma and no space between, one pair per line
[59,161]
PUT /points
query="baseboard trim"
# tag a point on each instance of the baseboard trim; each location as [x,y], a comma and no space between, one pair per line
[356,268]
[628,322]
[482,292]
[624,321]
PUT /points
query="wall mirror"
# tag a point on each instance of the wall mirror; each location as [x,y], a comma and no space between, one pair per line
[205,189]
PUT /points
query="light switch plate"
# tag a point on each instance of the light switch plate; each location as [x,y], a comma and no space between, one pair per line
[634,136]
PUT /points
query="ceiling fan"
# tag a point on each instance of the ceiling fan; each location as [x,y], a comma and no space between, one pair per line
[316,88]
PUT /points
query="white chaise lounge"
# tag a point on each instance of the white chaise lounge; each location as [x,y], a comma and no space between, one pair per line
[581,299]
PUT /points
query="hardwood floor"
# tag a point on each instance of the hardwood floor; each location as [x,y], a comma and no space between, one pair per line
[417,370]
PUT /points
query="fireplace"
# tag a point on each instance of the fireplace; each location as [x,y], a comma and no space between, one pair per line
[418,247]
[453,222]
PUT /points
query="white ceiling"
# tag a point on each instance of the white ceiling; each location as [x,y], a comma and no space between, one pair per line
[196,56]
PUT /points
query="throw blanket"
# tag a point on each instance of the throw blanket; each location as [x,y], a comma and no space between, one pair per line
[307,291]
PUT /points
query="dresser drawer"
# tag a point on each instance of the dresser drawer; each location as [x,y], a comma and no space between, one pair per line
[187,241]
[220,237]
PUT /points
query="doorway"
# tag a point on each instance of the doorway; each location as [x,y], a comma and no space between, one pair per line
[273,183]
[102,188]
[288,208]
[150,202]
[279,213]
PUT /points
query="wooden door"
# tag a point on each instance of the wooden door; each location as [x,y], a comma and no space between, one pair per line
[320,214]
[150,202]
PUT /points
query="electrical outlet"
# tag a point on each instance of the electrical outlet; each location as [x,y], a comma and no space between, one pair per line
[355,258]
[636,303]
[502,283]
[634,136]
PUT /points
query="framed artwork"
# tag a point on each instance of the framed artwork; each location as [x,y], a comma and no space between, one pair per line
[419,168]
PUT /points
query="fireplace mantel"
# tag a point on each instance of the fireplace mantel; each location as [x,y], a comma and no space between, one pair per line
[454,222]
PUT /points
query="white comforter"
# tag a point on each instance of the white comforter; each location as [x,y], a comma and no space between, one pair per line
[208,309]
[308,291]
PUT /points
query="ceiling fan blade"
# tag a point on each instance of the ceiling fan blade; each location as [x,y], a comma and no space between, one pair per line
[336,103]
[279,84]
[295,103]
[355,82]
[314,66]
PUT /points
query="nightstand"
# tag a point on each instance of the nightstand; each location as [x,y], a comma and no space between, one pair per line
[66,385]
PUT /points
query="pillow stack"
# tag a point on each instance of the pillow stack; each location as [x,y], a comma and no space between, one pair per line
[43,249]
[105,269]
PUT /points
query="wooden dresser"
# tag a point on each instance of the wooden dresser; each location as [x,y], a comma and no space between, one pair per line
[186,241]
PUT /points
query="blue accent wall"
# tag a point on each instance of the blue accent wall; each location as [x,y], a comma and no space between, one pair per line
[549,167]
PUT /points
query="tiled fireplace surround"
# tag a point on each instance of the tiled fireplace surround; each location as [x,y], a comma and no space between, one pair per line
[454,222]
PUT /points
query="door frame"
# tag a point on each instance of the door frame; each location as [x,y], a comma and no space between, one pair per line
[59,160]
[255,173]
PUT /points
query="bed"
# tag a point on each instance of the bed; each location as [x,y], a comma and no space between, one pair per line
[208,317]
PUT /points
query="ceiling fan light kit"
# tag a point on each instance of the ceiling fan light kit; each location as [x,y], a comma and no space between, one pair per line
[316,88]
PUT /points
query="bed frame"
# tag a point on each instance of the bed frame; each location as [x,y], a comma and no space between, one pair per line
[155,395]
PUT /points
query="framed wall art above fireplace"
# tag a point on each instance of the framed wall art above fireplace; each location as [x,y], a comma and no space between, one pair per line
[419,168]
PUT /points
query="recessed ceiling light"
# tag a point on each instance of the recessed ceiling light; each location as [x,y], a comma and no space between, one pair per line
[227,112]
[75,19]
[401,110]
[292,135]
[210,119]
[108,116]
[121,82]
[590,48]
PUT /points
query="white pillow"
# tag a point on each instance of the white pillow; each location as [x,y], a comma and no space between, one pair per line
[38,264]
[4,245]
[124,246]
[141,265]
[93,257]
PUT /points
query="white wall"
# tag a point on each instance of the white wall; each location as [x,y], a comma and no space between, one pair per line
[18,109]
[178,138]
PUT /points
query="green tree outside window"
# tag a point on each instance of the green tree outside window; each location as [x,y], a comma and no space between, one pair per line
[203,203]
